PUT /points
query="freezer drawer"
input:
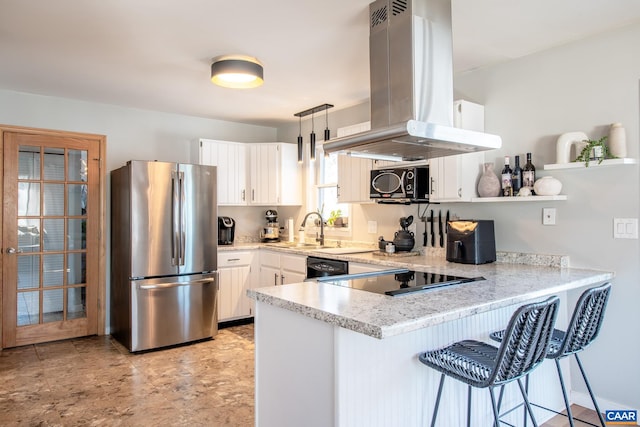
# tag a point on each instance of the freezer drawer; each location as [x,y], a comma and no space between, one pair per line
[173,310]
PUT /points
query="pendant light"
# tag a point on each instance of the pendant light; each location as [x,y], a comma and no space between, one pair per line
[313,140]
[300,150]
[327,132]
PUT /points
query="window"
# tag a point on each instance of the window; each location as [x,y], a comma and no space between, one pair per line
[334,214]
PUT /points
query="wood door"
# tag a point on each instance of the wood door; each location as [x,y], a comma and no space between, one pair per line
[51,232]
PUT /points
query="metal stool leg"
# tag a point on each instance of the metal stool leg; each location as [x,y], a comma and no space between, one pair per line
[564,393]
[526,401]
[435,409]
[526,389]
[593,398]
[469,407]
[496,417]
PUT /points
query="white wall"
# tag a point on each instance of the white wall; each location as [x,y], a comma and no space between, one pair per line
[131,133]
[583,86]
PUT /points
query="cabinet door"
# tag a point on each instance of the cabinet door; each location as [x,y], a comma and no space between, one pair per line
[292,277]
[230,160]
[232,300]
[353,179]
[290,176]
[269,276]
[265,166]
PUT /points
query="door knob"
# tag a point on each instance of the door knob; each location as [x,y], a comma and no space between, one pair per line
[14,251]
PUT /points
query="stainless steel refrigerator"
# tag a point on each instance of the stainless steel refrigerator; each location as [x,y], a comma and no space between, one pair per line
[164,243]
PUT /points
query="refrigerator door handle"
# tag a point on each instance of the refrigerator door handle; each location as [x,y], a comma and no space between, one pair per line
[183,224]
[175,218]
[176,284]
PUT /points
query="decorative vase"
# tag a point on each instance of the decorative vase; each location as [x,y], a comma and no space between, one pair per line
[489,184]
[617,140]
[547,186]
[566,141]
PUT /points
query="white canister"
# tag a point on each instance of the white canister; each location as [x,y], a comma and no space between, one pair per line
[390,248]
[617,140]
[547,186]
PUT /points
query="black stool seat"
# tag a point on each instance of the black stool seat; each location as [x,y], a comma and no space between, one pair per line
[482,365]
[583,329]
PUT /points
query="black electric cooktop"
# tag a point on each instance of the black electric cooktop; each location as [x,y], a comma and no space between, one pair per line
[397,282]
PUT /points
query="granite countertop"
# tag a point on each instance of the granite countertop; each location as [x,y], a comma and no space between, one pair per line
[382,316]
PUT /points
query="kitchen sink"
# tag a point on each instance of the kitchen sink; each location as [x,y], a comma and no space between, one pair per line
[338,251]
[322,249]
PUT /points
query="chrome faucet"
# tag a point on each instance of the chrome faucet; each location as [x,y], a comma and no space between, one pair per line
[321,238]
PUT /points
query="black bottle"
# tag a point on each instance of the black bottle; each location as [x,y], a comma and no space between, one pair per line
[507,187]
[516,177]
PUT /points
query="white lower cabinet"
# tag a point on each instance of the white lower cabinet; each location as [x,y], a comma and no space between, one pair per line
[280,269]
[237,274]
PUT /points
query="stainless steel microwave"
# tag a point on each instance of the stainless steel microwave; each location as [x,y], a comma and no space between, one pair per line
[400,185]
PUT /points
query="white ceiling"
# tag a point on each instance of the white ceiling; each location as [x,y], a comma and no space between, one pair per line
[156,55]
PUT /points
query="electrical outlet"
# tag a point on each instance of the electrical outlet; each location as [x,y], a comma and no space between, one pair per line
[548,216]
[372,227]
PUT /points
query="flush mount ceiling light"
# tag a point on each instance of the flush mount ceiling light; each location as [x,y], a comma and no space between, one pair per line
[237,71]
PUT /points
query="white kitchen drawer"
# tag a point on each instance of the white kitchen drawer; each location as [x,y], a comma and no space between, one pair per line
[297,263]
[233,259]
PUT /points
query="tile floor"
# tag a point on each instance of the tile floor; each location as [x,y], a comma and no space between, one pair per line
[96,381]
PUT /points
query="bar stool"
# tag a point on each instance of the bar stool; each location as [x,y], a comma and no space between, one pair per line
[482,365]
[583,329]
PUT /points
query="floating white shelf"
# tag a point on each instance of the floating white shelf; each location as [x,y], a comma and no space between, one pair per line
[519,199]
[592,164]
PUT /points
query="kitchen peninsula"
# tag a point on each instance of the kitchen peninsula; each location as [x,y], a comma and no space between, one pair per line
[329,355]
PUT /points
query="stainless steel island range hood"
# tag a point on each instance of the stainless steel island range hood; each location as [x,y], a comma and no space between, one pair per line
[411,71]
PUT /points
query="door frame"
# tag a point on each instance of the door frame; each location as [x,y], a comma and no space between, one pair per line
[101,140]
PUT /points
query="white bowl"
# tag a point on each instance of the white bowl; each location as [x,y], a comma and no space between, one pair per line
[547,186]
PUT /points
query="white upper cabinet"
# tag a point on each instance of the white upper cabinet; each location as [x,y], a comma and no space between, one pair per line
[231,160]
[454,178]
[353,172]
[274,174]
[271,169]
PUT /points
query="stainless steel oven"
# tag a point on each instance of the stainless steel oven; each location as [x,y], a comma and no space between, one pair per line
[322,267]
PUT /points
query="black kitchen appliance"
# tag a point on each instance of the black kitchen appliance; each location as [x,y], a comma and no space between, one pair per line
[397,282]
[322,267]
[471,241]
[400,185]
[226,230]
[271,233]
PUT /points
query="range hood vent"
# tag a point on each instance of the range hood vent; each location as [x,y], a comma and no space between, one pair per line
[411,72]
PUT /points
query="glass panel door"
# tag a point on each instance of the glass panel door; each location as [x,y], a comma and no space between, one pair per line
[50,248]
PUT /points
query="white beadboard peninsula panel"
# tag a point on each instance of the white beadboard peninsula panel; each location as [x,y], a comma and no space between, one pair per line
[382,382]
[315,374]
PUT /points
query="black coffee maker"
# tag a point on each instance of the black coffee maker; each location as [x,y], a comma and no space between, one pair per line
[226,230]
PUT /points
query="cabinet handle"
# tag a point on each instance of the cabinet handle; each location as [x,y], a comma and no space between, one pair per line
[243,195]
[282,279]
[275,279]
[233,259]
[459,192]
[337,191]
[433,185]
[253,195]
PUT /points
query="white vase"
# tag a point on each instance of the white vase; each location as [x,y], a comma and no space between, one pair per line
[489,184]
[547,186]
[617,141]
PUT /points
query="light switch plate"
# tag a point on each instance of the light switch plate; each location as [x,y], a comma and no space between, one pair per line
[372,227]
[625,228]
